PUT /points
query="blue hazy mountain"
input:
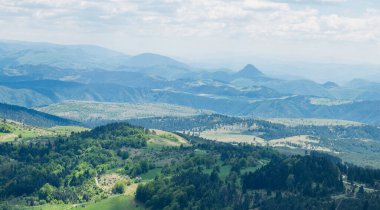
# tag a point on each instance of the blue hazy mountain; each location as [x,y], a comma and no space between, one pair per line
[16,53]
[249,72]
[35,74]
[146,60]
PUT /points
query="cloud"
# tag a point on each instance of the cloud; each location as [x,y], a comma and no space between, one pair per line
[272,19]
[313,1]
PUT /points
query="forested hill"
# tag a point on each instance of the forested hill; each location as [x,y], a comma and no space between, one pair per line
[32,117]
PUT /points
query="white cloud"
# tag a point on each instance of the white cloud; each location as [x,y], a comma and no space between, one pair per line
[227,20]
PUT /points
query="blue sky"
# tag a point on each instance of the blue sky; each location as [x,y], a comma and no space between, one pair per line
[215,32]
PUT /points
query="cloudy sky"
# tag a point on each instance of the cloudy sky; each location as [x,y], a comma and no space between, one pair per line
[201,31]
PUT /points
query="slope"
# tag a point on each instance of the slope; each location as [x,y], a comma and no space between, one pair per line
[32,117]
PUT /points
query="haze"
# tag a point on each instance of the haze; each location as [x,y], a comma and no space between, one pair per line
[317,39]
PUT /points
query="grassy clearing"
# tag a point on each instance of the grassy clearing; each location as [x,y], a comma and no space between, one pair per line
[49,207]
[21,131]
[231,134]
[26,132]
[120,202]
[151,174]
[159,139]
[66,130]
[312,121]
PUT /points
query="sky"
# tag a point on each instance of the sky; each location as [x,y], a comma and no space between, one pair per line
[206,32]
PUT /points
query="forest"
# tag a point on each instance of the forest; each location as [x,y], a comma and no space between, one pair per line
[202,174]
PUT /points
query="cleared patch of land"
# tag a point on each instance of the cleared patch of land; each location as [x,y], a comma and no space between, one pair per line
[120,202]
[312,121]
[90,110]
[349,149]
[235,134]
[19,131]
[329,102]
[117,202]
[232,134]
[163,138]
[302,142]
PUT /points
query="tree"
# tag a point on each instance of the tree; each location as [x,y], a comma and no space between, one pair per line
[119,187]
[46,192]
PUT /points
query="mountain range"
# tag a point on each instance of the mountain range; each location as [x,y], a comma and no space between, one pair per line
[41,74]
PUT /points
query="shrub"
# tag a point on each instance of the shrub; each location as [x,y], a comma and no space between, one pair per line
[119,187]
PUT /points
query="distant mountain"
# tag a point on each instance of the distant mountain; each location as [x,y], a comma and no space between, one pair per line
[146,60]
[16,53]
[218,97]
[249,72]
[157,66]
[125,78]
[22,97]
[330,85]
[358,89]
[298,87]
[32,117]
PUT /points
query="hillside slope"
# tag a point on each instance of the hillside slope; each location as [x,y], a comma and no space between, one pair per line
[32,117]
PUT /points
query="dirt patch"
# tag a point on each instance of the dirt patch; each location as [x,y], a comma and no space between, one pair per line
[7,137]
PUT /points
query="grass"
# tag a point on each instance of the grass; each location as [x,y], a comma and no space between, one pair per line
[66,130]
[26,132]
[312,121]
[49,207]
[231,134]
[18,130]
[151,174]
[159,139]
[120,202]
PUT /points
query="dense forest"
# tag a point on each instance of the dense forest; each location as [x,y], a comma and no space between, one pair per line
[202,175]
[62,169]
[315,181]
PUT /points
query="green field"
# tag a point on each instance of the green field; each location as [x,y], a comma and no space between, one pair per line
[151,174]
[119,202]
[66,130]
[25,132]
[162,139]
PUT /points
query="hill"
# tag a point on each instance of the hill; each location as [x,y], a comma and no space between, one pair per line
[86,111]
[60,56]
[249,72]
[93,168]
[15,131]
[146,60]
[75,168]
[32,117]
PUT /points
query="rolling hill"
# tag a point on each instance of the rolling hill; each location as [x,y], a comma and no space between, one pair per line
[85,111]
[32,117]
[60,56]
